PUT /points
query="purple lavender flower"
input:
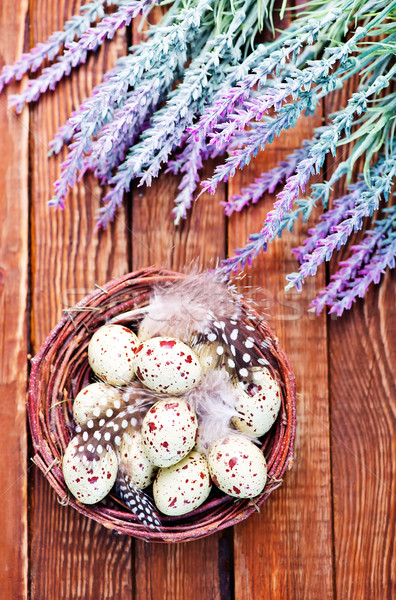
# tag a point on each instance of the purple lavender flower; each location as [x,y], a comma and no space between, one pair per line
[76,52]
[74,27]
[169,125]
[267,181]
[330,219]
[364,207]
[117,137]
[367,263]
[269,58]
[326,142]
[190,164]
[98,110]
[261,133]
[316,72]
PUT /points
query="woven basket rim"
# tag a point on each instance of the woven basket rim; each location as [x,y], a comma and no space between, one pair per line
[48,419]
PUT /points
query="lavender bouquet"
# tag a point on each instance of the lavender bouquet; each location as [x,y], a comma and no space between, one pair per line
[203,85]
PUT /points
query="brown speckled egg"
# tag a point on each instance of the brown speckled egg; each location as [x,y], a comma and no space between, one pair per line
[93,401]
[111,354]
[185,486]
[167,365]
[259,402]
[89,481]
[169,430]
[237,467]
[134,461]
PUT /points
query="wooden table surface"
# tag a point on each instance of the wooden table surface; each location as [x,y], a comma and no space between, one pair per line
[328,532]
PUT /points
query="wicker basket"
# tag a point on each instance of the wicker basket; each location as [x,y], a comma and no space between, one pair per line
[61,369]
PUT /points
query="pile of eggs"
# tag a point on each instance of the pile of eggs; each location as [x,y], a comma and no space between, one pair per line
[160,448]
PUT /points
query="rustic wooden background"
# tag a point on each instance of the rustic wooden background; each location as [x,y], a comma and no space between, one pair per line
[328,532]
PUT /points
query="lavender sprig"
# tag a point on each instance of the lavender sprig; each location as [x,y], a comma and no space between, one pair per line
[169,124]
[367,263]
[269,60]
[99,108]
[74,27]
[267,181]
[76,52]
[116,138]
[365,206]
[190,164]
[316,72]
[330,218]
[341,206]
[261,134]
[327,142]
[287,115]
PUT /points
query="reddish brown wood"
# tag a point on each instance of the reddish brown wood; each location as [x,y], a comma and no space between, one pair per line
[363,392]
[13,334]
[70,556]
[286,551]
[362,360]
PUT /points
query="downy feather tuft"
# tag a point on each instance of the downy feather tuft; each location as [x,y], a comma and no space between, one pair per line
[213,400]
[185,308]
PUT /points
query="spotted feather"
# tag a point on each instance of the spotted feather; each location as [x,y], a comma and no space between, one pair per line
[137,501]
[241,344]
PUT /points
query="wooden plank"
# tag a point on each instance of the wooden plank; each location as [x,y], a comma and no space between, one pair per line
[363,391]
[199,569]
[70,556]
[286,551]
[13,304]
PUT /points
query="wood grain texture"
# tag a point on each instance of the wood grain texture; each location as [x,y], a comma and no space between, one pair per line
[70,556]
[363,392]
[194,570]
[286,551]
[363,415]
[13,303]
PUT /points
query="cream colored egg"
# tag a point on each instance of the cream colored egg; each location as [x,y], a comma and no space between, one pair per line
[237,467]
[93,401]
[111,354]
[183,487]
[209,356]
[89,480]
[134,461]
[259,402]
[169,431]
[167,365]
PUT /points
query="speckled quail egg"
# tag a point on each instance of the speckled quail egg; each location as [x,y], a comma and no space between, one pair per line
[134,461]
[183,487]
[89,480]
[208,355]
[111,354]
[259,402]
[237,467]
[93,401]
[167,365]
[169,431]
